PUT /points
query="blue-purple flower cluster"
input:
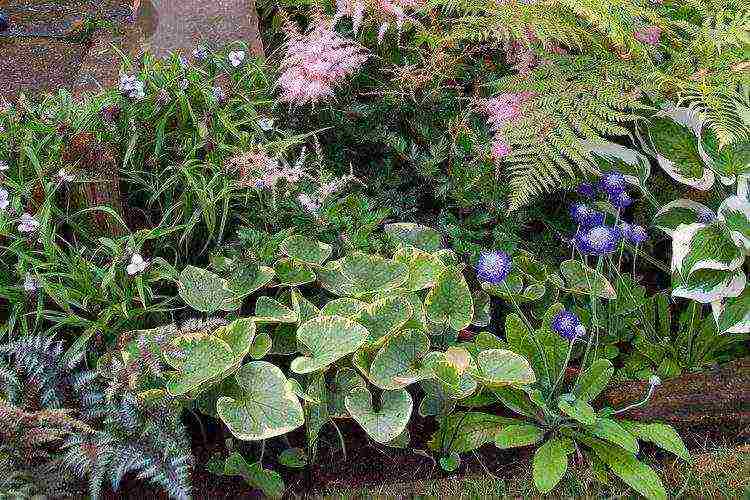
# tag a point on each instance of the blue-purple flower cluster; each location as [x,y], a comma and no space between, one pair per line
[594,237]
[493,267]
[567,324]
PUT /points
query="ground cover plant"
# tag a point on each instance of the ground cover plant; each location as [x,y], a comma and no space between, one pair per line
[439,226]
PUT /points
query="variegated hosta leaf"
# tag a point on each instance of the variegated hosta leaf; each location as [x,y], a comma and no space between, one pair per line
[424,267]
[700,246]
[709,285]
[305,250]
[584,280]
[682,211]
[345,306]
[205,360]
[250,280]
[399,362]
[450,302]
[732,314]
[238,335]
[268,310]
[676,137]
[359,275]
[292,272]
[422,237]
[384,316]
[328,339]
[343,383]
[735,212]
[631,163]
[388,421]
[501,367]
[729,160]
[268,406]
[205,291]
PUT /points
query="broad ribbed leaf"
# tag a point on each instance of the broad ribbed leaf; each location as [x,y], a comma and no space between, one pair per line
[593,380]
[514,436]
[550,463]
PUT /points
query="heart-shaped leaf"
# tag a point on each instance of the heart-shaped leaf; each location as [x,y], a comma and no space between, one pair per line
[328,339]
[385,316]
[343,383]
[205,291]
[424,267]
[291,272]
[345,306]
[388,421]
[359,274]
[422,237]
[204,360]
[268,310]
[268,407]
[501,367]
[399,362]
[450,302]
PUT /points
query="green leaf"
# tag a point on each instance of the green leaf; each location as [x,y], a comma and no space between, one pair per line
[585,281]
[385,316]
[735,212]
[345,306]
[450,301]
[328,338]
[343,383]
[246,283]
[578,410]
[293,457]
[303,308]
[268,407]
[359,274]
[387,422]
[501,367]
[733,313]
[550,463]
[261,346]
[436,401]
[679,212]
[422,237]
[462,432]
[291,272]
[204,291]
[482,314]
[268,310]
[398,363]
[514,436]
[305,250]
[593,380]
[204,360]
[662,435]
[450,463]
[424,268]
[635,474]
[266,480]
[611,431]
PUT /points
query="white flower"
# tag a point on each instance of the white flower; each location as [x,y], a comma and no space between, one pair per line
[65,176]
[236,57]
[28,223]
[30,284]
[265,124]
[654,381]
[137,264]
[132,87]
[308,203]
[4,202]
[4,165]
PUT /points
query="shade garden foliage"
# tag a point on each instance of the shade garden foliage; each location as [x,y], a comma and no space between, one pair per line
[477,214]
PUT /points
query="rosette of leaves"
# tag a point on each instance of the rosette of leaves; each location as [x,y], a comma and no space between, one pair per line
[558,416]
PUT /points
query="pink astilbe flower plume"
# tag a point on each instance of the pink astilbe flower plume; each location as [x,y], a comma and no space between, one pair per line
[317,62]
[500,111]
[386,11]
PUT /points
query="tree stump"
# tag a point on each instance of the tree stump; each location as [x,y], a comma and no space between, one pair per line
[715,397]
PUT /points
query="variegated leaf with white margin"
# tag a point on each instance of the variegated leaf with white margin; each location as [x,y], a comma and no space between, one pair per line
[328,339]
[691,120]
[385,316]
[682,211]
[424,267]
[359,274]
[709,285]
[703,246]
[732,314]
[633,164]
[735,212]
[267,407]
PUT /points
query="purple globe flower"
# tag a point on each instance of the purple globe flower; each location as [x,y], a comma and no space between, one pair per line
[586,216]
[634,233]
[706,216]
[567,325]
[599,240]
[586,189]
[493,267]
[621,200]
[612,183]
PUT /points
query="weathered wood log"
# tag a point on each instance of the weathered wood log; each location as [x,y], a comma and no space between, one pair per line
[720,396]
